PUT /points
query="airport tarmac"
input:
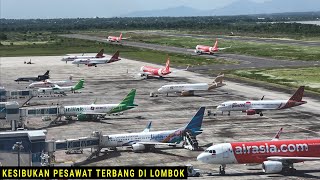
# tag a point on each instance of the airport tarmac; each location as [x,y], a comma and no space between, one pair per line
[109,83]
[245,61]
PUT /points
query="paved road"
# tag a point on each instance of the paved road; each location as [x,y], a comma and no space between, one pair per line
[245,61]
[236,38]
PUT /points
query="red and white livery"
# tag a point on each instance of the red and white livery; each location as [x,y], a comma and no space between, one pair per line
[115,38]
[275,155]
[202,49]
[256,107]
[153,71]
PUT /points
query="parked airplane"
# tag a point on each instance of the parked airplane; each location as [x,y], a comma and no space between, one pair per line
[147,71]
[115,38]
[83,112]
[95,61]
[61,90]
[72,58]
[256,107]
[188,89]
[202,49]
[48,83]
[31,79]
[275,155]
[147,140]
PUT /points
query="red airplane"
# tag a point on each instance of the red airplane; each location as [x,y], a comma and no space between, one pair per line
[152,71]
[114,38]
[202,49]
[275,155]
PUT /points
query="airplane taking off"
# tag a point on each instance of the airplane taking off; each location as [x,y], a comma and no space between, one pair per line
[147,140]
[72,58]
[275,156]
[48,83]
[95,61]
[115,38]
[31,79]
[153,71]
[188,89]
[202,49]
[61,90]
[83,112]
[256,107]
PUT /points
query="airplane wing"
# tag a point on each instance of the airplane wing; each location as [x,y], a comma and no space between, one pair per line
[55,87]
[292,159]
[186,69]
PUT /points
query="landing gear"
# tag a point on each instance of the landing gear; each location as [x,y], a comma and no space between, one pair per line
[261,114]
[289,170]
[229,113]
[222,171]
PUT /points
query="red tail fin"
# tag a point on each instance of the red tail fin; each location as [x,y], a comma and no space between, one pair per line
[215,44]
[120,37]
[167,68]
[100,54]
[115,57]
[298,94]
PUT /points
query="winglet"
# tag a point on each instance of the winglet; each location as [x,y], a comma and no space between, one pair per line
[277,136]
[147,129]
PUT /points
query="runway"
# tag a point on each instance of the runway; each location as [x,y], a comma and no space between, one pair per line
[245,62]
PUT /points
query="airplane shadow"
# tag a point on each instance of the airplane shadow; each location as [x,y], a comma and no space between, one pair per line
[106,155]
[158,151]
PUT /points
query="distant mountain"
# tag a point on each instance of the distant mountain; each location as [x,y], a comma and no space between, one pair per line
[240,7]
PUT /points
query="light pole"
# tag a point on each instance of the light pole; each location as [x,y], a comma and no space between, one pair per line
[18,147]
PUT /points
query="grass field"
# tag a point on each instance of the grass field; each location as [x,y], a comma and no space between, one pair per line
[61,46]
[294,77]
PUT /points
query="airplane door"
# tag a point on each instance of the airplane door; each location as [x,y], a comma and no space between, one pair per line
[225,151]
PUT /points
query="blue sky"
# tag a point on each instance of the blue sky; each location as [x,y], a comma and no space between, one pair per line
[26,9]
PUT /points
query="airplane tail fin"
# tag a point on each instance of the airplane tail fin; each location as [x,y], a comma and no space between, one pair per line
[277,136]
[129,99]
[216,44]
[219,78]
[147,129]
[167,67]
[120,37]
[47,73]
[195,124]
[100,54]
[79,85]
[298,94]
[115,57]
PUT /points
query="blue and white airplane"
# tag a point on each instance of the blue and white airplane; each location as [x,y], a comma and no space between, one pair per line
[147,140]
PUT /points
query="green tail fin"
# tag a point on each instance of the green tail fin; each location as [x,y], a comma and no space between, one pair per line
[129,99]
[79,85]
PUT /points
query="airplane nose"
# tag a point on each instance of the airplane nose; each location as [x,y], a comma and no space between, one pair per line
[160,90]
[201,157]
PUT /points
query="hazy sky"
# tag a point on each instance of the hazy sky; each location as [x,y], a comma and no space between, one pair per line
[26,9]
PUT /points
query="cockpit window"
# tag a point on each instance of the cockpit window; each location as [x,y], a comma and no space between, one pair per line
[222,105]
[212,151]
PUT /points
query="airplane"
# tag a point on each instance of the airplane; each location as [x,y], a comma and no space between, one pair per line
[275,155]
[72,58]
[256,107]
[55,89]
[31,79]
[202,49]
[48,83]
[115,38]
[147,140]
[147,71]
[95,61]
[188,89]
[84,112]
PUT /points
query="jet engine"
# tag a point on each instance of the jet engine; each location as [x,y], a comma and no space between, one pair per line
[138,147]
[272,166]
[251,112]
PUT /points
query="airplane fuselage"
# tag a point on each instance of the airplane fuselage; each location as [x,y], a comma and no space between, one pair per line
[183,87]
[258,152]
[45,84]
[72,58]
[205,49]
[94,108]
[55,90]
[152,71]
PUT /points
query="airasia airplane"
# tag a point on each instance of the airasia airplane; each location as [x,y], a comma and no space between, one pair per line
[115,38]
[256,107]
[275,156]
[153,71]
[202,49]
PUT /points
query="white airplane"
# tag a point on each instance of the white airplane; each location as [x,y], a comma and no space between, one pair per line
[72,58]
[95,61]
[61,90]
[147,140]
[188,89]
[256,107]
[85,112]
[48,83]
